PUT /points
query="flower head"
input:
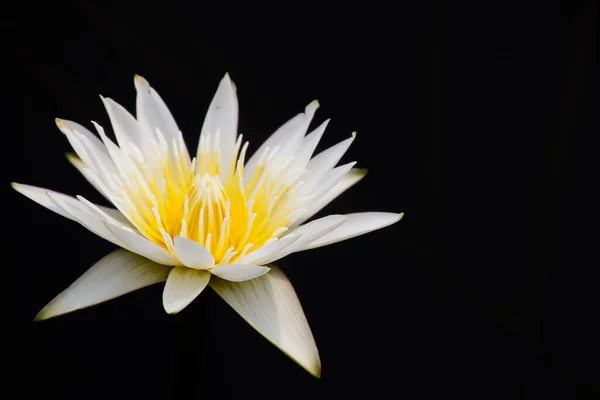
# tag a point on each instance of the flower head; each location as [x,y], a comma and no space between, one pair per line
[211,219]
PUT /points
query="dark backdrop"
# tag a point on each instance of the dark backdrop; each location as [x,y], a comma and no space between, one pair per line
[476,119]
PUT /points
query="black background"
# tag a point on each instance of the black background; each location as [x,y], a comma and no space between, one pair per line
[476,119]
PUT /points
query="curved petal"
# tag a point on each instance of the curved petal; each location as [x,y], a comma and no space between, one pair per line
[182,287]
[222,116]
[116,274]
[83,170]
[355,225]
[88,146]
[267,251]
[288,138]
[39,195]
[73,209]
[87,218]
[347,181]
[326,160]
[192,254]
[310,232]
[239,272]
[125,126]
[270,305]
[309,144]
[142,246]
[153,114]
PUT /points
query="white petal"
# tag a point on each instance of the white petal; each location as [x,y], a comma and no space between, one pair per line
[192,254]
[153,113]
[288,137]
[39,195]
[292,135]
[93,147]
[309,144]
[66,125]
[262,255]
[126,127]
[270,305]
[310,232]
[182,287]
[142,246]
[355,225]
[326,160]
[222,116]
[82,168]
[82,214]
[330,179]
[70,208]
[351,178]
[239,272]
[111,215]
[116,274]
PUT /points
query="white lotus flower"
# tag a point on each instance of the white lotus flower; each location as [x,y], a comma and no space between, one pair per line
[209,220]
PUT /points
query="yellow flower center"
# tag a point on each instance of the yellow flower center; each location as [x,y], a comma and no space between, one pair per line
[176,196]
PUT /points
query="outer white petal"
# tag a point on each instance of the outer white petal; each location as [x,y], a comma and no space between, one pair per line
[182,287]
[153,113]
[347,181]
[355,225]
[83,170]
[72,209]
[39,195]
[222,116]
[309,144]
[310,232]
[86,217]
[192,254]
[69,126]
[331,178]
[126,127]
[93,145]
[268,251]
[142,246]
[292,136]
[112,215]
[270,305]
[288,138]
[116,274]
[239,272]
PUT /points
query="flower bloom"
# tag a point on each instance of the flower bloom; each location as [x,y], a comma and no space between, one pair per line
[213,219]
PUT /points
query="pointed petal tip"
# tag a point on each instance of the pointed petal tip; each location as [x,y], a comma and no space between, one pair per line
[315,370]
[229,82]
[183,286]
[270,305]
[140,82]
[59,122]
[39,316]
[172,308]
[354,134]
[169,310]
[360,171]
[20,187]
[49,311]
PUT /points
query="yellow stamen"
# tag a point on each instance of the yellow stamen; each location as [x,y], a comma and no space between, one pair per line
[181,197]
